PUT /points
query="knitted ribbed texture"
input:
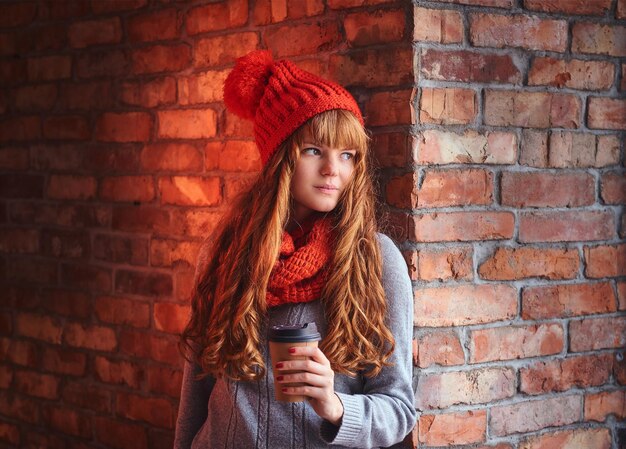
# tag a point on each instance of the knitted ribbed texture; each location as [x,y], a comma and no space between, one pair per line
[281,98]
[299,274]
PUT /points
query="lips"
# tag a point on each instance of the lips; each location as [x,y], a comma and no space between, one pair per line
[326,188]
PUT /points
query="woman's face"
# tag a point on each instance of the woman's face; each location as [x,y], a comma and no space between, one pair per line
[321,175]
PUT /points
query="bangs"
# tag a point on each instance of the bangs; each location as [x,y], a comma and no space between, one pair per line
[335,128]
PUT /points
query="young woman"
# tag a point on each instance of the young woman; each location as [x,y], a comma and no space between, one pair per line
[300,246]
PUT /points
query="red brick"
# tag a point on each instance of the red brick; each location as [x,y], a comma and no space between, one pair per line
[371,28]
[95,32]
[68,127]
[122,311]
[20,128]
[69,187]
[568,149]
[187,124]
[447,106]
[143,283]
[575,73]
[567,300]
[621,294]
[65,244]
[35,384]
[438,348]
[57,156]
[394,108]
[531,109]
[127,188]
[536,189]
[157,92]
[217,16]
[606,113]
[170,318]
[605,261]
[185,282]
[566,374]
[10,433]
[272,11]
[154,26]
[223,50]
[596,38]
[442,390]
[232,156]
[457,305]
[441,188]
[171,157]
[124,127]
[118,372]
[111,158]
[19,407]
[373,68]
[622,86]
[620,13]
[19,352]
[401,191]
[118,249]
[556,411]
[69,303]
[440,147]
[195,223]
[31,270]
[451,263]
[598,438]
[391,149]
[301,39]
[598,406]
[105,63]
[35,97]
[437,25]
[164,380]
[190,191]
[521,342]
[465,66]
[86,96]
[592,334]
[237,127]
[67,421]
[64,361]
[120,435]
[21,186]
[575,7]
[173,253]
[16,240]
[17,13]
[141,219]
[161,58]
[87,396]
[205,87]
[453,428]
[47,68]
[14,158]
[566,226]
[51,9]
[148,346]
[40,327]
[619,371]
[86,276]
[461,226]
[99,338]
[532,33]
[508,264]
[119,5]
[155,411]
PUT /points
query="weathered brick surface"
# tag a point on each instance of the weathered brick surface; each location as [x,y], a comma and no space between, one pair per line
[530,32]
[598,438]
[441,147]
[462,65]
[455,428]
[597,333]
[567,300]
[525,262]
[450,106]
[598,406]
[566,226]
[461,226]
[436,25]
[438,347]
[598,38]
[579,150]
[605,261]
[537,189]
[591,7]
[575,74]
[454,263]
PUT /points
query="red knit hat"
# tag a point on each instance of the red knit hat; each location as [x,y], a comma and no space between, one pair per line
[279,97]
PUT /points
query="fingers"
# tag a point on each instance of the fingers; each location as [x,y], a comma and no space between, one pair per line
[312,352]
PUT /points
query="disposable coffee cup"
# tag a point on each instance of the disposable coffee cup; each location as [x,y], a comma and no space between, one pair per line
[281,338]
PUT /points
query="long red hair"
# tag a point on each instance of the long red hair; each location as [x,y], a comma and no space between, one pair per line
[228,304]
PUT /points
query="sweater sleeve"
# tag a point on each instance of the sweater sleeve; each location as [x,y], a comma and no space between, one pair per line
[192,410]
[383,414]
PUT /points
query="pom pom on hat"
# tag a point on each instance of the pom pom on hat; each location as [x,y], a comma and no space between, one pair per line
[245,85]
[279,98]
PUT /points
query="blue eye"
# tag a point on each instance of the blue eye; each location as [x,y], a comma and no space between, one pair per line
[311,150]
[347,156]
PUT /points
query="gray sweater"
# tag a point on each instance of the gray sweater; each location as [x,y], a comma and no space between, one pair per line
[378,412]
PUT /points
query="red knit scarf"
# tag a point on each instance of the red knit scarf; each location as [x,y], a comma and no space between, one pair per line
[301,269]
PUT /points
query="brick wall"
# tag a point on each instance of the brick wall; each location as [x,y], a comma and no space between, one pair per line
[515,223]
[117,158]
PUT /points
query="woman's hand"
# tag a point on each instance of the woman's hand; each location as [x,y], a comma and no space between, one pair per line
[319,380]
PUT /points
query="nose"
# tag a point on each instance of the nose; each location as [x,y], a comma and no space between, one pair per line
[329,166]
